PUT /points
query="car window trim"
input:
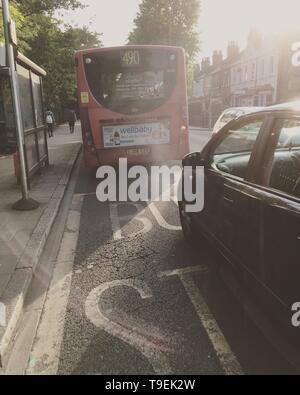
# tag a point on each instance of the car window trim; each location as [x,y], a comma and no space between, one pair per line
[279,194]
[271,191]
[223,174]
[267,151]
[235,123]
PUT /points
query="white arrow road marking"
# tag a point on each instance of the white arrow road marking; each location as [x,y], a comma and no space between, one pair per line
[116,225]
[115,222]
[150,348]
[160,220]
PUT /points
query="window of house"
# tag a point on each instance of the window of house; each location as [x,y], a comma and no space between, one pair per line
[269,100]
[253,72]
[282,166]
[272,65]
[262,68]
[239,76]
[246,73]
[262,100]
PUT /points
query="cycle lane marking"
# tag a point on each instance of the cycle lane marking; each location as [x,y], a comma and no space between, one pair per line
[116,220]
[222,348]
[153,349]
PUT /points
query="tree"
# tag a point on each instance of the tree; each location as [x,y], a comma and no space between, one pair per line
[36,7]
[25,13]
[16,15]
[51,45]
[53,49]
[168,22]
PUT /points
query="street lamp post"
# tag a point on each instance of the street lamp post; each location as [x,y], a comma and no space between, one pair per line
[25,204]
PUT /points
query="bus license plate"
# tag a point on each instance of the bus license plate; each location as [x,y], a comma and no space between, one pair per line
[138,151]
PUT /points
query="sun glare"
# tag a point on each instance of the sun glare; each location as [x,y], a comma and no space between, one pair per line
[231,20]
[273,16]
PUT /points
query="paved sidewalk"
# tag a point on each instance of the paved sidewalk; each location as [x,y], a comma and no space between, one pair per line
[23,234]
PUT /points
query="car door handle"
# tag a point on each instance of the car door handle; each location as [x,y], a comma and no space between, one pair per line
[228,200]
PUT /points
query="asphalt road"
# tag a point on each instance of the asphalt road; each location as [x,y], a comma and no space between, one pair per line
[129,296]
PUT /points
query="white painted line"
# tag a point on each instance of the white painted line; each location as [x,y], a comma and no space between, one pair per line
[152,349]
[186,270]
[160,220]
[2,315]
[115,222]
[167,193]
[223,350]
[45,354]
[85,194]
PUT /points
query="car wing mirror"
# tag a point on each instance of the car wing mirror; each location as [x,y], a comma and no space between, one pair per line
[194,159]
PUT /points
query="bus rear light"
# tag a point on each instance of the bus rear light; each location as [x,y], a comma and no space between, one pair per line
[183,128]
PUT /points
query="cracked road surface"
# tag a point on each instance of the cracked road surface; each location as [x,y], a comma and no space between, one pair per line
[129,296]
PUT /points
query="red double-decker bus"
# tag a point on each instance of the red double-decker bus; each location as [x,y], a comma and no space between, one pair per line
[133,104]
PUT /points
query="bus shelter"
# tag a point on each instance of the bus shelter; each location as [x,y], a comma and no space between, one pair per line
[32,109]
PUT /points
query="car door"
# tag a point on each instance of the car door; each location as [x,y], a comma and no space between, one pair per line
[281,216]
[232,205]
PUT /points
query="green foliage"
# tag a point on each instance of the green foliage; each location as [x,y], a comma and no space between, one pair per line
[36,7]
[52,45]
[168,22]
[17,17]
[54,51]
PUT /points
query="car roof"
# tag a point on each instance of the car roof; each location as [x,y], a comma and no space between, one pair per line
[290,107]
[244,109]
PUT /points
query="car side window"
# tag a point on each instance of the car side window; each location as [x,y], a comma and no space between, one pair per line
[282,167]
[233,153]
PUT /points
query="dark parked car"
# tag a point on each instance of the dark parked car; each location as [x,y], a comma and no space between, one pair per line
[252,204]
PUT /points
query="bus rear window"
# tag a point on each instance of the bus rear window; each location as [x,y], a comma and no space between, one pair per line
[132,81]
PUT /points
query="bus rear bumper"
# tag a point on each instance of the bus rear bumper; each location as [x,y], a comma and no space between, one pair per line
[135,155]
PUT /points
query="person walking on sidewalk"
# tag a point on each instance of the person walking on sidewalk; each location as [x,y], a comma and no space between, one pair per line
[72,119]
[50,122]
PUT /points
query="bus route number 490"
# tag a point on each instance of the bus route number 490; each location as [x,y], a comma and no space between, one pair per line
[130,58]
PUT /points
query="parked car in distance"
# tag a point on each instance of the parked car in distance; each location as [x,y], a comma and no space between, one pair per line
[252,206]
[232,113]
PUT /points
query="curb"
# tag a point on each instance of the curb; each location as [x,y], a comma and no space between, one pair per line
[15,292]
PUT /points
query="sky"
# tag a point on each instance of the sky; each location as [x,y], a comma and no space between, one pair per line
[221,20]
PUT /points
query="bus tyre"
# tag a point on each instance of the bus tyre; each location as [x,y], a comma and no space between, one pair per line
[187,225]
